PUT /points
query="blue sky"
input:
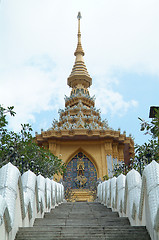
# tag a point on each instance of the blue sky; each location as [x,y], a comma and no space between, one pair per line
[120,39]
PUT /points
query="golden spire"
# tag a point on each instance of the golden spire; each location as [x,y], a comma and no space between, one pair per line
[79,49]
[79,74]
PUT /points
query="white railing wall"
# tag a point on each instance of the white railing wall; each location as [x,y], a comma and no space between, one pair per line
[24,198]
[135,197]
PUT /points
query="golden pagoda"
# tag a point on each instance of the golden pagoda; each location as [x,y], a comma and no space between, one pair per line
[80,138]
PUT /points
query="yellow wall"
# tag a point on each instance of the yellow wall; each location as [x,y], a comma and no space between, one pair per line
[96,151]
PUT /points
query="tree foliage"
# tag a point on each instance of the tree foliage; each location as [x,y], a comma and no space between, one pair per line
[145,153]
[21,150]
[152,127]
[151,150]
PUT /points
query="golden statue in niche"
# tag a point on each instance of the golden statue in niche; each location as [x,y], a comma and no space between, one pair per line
[80,167]
[80,179]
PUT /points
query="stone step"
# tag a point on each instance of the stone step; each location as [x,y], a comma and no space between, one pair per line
[82,222]
[109,228]
[79,231]
[76,236]
[85,238]
[73,215]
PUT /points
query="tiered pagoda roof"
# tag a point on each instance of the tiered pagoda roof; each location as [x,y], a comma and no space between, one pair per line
[80,111]
[80,119]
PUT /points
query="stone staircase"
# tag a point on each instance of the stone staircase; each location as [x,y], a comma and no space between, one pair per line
[82,220]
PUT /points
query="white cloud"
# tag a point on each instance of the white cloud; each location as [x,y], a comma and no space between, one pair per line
[113,103]
[38,39]
[30,90]
[110,101]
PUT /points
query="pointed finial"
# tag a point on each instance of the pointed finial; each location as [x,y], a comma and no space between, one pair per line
[79,16]
[79,49]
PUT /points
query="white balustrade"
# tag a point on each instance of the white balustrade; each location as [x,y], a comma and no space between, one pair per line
[24,198]
[135,197]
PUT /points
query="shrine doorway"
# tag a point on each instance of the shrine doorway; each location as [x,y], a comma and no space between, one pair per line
[80,178]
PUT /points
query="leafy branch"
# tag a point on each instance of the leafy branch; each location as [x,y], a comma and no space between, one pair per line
[21,150]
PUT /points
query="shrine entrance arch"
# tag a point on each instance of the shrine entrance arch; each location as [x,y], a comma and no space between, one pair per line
[80,176]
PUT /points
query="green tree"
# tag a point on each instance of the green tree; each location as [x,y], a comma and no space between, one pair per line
[144,153]
[21,150]
[150,150]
